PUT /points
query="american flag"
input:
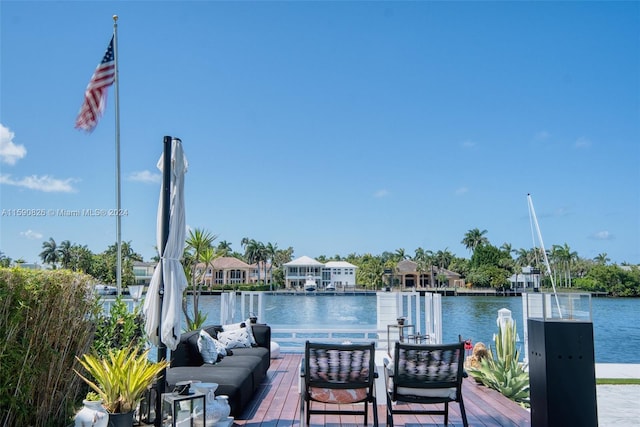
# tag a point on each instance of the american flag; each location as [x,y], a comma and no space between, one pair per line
[95,96]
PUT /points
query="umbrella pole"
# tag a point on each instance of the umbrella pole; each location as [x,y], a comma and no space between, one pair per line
[166,200]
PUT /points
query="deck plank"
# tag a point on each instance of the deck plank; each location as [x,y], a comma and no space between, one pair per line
[277,404]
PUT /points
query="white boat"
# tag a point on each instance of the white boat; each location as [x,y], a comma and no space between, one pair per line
[330,287]
[310,284]
[106,289]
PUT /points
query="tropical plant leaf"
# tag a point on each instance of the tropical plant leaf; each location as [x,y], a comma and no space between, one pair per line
[502,370]
[121,377]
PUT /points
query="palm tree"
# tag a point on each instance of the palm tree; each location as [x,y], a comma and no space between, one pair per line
[128,257]
[420,259]
[224,248]
[50,254]
[507,248]
[522,257]
[555,259]
[81,258]
[442,279]
[508,263]
[198,241]
[473,238]
[254,252]
[564,256]
[602,259]
[400,255]
[370,271]
[271,249]
[207,257]
[425,260]
[64,251]
[443,258]
[5,261]
[572,258]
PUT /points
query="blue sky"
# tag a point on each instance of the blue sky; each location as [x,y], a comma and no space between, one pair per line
[331,127]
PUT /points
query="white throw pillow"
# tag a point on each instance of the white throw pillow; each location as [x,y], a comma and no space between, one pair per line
[246,324]
[207,347]
[233,326]
[236,338]
[222,350]
[252,339]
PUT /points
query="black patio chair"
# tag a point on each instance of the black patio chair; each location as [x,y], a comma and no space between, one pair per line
[334,375]
[425,374]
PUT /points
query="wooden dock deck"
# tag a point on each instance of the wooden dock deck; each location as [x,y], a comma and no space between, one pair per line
[277,403]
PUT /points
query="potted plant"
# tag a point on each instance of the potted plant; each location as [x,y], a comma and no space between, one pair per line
[120,378]
[93,413]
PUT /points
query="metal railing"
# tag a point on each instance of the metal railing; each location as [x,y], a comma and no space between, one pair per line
[293,339]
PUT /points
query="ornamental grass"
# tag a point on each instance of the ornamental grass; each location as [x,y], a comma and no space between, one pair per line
[45,321]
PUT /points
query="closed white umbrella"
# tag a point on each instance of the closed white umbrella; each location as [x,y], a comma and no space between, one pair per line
[169,275]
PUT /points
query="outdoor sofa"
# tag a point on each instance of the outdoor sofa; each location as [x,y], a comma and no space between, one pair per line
[238,375]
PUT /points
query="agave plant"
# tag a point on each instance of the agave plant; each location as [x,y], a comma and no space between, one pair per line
[121,377]
[502,371]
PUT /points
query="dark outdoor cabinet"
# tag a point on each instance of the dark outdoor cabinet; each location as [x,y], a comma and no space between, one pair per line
[562,373]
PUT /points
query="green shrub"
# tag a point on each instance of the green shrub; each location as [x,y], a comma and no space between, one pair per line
[46,319]
[502,370]
[119,329]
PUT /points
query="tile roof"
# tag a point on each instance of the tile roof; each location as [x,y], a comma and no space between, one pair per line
[339,264]
[227,262]
[304,261]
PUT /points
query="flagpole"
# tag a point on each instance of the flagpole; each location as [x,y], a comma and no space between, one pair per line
[118,216]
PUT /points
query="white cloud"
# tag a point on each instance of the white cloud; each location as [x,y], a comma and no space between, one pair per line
[462,190]
[31,235]
[468,144]
[381,193]
[542,135]
[602,235]
[10,152]
[146,177]
[44,183]
[583,142]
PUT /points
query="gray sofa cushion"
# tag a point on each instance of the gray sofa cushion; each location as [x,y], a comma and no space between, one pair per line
[235,382]
[238,375]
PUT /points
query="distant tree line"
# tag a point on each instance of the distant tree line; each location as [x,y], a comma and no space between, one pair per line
[489,266]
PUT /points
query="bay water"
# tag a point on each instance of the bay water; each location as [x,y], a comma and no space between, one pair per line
[616,321]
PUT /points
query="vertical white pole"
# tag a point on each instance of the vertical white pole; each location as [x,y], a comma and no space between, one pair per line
[437,317]
[428,317]
[544,252]
[261,308]
[117,101]
[418,322]
[388,304]
[525,321]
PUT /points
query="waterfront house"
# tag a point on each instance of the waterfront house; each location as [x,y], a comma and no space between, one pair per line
[260,272]
[233,271]
[406,275]
[338,275]
[529,278]
[297,271]
[143,271]
[333,274]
